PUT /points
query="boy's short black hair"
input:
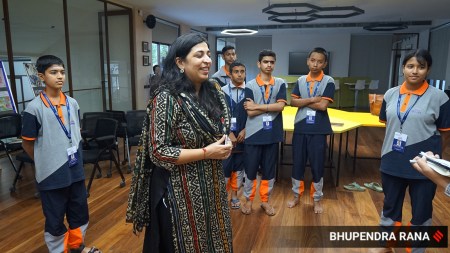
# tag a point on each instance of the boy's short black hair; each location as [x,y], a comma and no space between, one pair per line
[235,64]
[226,48]
[266,52]
[319,50]
[46,61]
[154,67]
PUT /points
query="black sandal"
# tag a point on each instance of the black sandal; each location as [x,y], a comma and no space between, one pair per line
[94,250]
[81,248]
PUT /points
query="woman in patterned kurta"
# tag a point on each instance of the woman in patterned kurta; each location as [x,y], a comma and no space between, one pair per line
[181,197]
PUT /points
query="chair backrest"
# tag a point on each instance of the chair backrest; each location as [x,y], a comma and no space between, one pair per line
[373,85]
[89,122]
[359,85]
[121,119]
[10,125]
[105,127]
[438,84]
[336,84]
[135,120]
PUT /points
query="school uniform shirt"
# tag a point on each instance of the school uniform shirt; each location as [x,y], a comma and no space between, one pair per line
[222,76]
[307,87]
[235,97]
[427,112]
[274,92]
[39,124]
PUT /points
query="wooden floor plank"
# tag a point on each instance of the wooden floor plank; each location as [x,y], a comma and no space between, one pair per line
[21,226]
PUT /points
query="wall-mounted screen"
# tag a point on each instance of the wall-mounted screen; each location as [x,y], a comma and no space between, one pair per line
[297,64]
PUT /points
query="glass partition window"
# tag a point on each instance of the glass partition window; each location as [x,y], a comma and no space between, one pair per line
[85,54]
[159,53]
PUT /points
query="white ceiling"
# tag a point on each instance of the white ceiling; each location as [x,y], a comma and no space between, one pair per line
[223,13]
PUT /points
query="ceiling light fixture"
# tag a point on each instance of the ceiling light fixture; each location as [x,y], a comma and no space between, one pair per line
[385,27]
[239,31]
[310,12]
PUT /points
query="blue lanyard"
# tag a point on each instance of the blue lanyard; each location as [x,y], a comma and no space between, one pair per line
[315,89]
[263,94]
[55,112]
[239,98]
[402,120]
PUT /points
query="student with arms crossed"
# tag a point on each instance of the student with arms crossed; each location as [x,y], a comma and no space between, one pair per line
[312,95]
[51,137]
[265,100]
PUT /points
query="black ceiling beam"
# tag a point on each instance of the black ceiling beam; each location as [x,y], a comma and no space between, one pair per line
[322,25]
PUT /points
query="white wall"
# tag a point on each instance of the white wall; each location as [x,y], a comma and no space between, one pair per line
[337,44]
[247,50]
[141,33]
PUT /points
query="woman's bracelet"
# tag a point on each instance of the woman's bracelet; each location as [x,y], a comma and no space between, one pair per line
[204,153]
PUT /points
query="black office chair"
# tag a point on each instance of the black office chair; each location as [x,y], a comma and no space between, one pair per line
[88,124]
[23,157]
[10,127]
[105,139]
[121,130]
[135,120]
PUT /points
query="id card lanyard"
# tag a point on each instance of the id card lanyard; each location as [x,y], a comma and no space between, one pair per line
[238,97]
[263,94]
[55,112]
[315,89]
[403,119]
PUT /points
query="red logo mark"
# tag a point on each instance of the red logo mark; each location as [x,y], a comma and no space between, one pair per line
[438,236]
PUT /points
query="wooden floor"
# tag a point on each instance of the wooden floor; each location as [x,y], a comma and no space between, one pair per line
[22,222]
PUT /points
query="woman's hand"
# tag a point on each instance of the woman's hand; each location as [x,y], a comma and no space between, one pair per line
[422,166]
[218,150]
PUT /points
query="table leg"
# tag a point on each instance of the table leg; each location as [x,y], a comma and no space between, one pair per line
[346,145]
[339,161]
[354,151]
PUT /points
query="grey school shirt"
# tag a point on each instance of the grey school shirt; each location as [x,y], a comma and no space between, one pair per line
[51,143]
[222,77]
[276,92]
[429,113]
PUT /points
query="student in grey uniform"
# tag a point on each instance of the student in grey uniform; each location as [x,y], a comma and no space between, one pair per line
[223,75]
[266,98]
[233,166]
[417,115]
[51,137]
[312,94]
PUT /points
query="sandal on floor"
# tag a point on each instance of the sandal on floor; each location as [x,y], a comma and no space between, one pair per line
[269,210]
[374,186]
[81,249]
[354,187]
[94,250]
[235,204]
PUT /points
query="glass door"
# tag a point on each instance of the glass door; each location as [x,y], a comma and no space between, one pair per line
[117,65]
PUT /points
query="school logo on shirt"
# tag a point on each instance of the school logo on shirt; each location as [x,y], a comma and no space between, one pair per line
[416,111]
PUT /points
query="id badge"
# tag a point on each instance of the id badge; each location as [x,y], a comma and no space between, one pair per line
[399,143]
[228,141]
[233,126]
[267,122]
[310,117]
[72,156]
